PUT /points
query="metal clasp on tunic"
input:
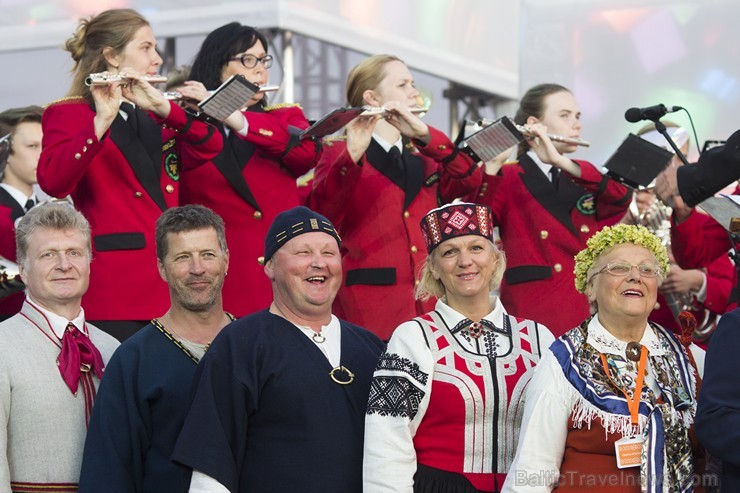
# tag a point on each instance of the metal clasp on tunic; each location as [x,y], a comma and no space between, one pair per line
[342,375]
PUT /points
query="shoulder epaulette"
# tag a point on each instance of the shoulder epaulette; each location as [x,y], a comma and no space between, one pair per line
[282,105]
[68,99]
[335,138]
[305,180]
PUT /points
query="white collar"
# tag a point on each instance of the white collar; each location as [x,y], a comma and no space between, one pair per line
[603,341]
[19,196]
[331,345]
[57,322]
[332,327]
[387,145]
[452,317]
[542,166]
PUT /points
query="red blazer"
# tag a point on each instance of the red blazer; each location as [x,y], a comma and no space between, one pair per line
[701,241]
[698,240]
[541,230]
[377,209]
[10,212]
[249,183]
[122,183]
[720,280]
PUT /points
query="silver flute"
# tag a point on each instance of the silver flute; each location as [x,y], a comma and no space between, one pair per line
[556,138]
[381,110]
[177,96]
[105,78]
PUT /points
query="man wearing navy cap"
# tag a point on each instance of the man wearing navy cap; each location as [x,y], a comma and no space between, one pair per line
[279,399]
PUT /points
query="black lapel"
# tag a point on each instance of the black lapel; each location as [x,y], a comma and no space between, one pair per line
[16,209]
[231,161]
[144,159]
[559,202]
[414,176]
[379,159]
[150,134]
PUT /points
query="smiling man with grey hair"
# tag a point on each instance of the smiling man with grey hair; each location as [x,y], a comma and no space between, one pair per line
[51,360]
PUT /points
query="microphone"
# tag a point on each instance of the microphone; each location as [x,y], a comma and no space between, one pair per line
[654,113]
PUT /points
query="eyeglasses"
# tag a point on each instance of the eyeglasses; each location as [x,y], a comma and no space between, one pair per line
[250,61]
[622,269]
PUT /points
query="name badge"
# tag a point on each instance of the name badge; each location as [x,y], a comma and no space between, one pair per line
[628,451]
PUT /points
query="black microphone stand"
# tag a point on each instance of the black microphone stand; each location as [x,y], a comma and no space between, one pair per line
[660,127]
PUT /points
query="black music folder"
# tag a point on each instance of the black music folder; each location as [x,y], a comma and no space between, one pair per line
[233,94]
[340,117]
[637,162]
[490,141]
[725,209]
[332,122]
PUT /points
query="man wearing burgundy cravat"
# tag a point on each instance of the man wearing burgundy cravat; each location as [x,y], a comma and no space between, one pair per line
[51,361]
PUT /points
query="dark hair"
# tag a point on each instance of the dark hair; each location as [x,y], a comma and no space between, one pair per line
[56,216]
[533,104]
[109,29]
[177,77]
[220,45]
[15,116]
[187,218]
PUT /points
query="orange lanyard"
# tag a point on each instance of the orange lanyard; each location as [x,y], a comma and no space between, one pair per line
[633,403]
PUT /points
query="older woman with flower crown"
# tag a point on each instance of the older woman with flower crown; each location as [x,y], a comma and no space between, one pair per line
[446,398]
[613,400]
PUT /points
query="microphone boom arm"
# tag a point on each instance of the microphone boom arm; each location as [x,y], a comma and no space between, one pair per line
[660,127]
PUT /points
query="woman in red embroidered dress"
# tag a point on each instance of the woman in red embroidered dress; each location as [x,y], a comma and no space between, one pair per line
[446,398]
[585,426]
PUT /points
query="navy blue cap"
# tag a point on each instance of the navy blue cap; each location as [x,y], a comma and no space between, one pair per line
[291,223]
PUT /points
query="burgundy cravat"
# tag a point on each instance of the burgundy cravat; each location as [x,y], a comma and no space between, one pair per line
[78,354]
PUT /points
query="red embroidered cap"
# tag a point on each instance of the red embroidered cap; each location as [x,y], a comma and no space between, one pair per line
[453,220]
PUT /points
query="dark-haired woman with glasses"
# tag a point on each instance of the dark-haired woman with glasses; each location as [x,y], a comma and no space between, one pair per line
[254,177]
[612,403]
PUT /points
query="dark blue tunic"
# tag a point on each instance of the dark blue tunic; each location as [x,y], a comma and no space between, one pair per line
[718,414]
[138,413]
[267,417]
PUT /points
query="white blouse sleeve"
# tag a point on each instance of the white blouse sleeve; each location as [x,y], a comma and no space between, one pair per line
[399,397]
[699,355]
[546,338]
[547,409]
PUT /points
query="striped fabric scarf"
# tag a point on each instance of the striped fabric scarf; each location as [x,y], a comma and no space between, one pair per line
[667,461]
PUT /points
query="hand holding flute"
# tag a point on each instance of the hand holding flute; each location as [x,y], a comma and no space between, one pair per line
[128,85]
[409,124]
[557,138]
[542,144]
